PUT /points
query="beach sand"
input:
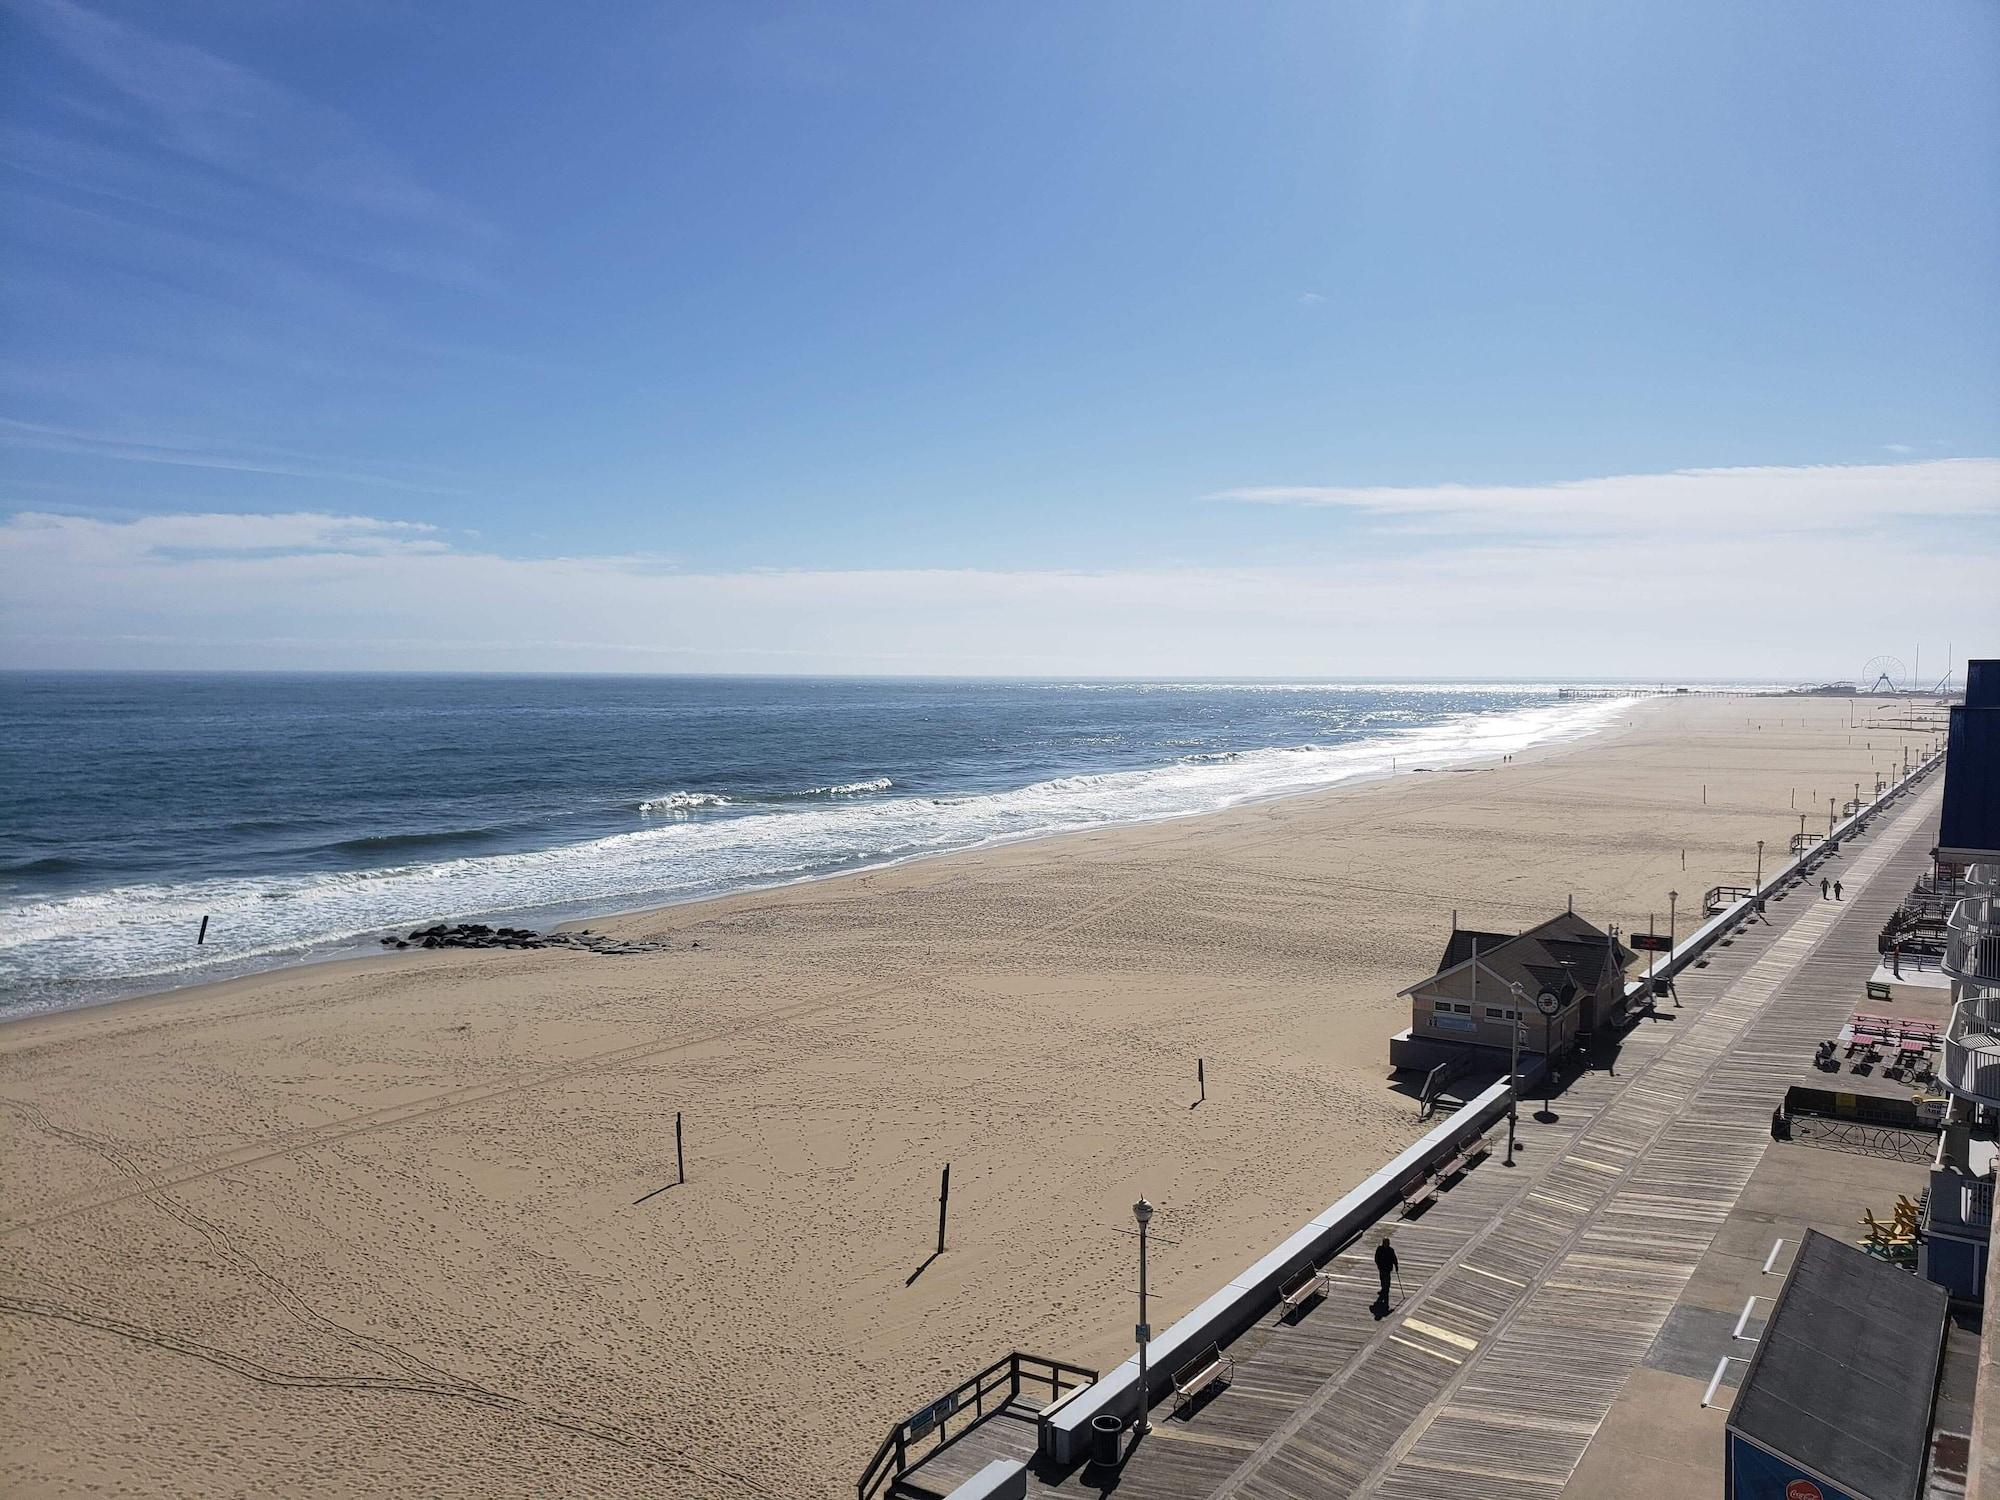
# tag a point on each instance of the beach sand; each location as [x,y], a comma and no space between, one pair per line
[371,1227]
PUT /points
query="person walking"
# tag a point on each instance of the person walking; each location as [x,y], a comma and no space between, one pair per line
[1385,1267]
[1836,890]
[1823,883]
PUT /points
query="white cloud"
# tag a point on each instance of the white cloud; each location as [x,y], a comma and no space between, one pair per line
[1799,499]
[1720,588]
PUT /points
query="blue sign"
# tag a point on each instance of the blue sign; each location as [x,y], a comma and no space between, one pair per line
[1755,1474]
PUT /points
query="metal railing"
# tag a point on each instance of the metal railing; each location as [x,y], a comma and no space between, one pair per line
[1972,1051]
[1973,957]
[923,1432]
[1972,941]
[1716,897]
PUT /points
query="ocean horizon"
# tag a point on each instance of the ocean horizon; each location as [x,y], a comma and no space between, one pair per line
[306,815]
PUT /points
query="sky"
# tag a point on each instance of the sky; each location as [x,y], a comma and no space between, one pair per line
[1490,338]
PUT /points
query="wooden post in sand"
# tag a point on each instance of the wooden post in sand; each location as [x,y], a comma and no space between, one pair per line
[680,1160]
[944,1203]
[202,936]
[1201,1078]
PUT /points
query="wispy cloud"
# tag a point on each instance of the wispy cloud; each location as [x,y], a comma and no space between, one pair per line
[242,459]
[1810,498]
[232,120]
[202,250]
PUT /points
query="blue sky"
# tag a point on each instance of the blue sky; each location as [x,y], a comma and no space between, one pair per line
[1160,329]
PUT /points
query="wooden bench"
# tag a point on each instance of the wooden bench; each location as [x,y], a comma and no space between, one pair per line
[1201,1372]
[1469,1153]
[1301,1289]
[1418,1191]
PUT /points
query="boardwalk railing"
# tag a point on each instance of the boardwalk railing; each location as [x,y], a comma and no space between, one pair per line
[925,1431]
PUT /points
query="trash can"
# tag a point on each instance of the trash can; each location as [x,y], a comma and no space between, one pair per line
[1104,1430]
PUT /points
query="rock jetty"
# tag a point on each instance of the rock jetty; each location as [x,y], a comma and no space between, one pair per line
[479,935]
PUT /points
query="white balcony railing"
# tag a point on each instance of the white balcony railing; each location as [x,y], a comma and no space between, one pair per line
[1972,942]
[1972,1051]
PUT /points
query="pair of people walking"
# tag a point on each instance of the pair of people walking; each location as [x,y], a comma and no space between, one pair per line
[1823,885]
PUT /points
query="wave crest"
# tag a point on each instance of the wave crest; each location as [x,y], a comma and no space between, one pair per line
[848,789]
[682,802]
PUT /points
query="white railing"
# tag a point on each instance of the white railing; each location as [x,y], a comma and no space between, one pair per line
[1972,942]
[1973,957]
[1974,913]
[1972,1051]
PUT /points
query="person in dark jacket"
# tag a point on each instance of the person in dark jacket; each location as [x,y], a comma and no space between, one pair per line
[1385,1266]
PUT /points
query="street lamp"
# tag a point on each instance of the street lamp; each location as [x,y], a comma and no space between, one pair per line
[1514,1066]
[1143,1212]
[1759,886]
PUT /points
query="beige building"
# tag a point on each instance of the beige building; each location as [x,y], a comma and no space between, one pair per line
[1487,982]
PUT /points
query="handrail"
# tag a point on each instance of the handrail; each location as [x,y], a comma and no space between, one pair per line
[1973,957]
[1972,1070]
[893,1459]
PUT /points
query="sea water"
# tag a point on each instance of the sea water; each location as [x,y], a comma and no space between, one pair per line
[308,815]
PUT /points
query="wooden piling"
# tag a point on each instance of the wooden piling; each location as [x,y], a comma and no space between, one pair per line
[944,1204]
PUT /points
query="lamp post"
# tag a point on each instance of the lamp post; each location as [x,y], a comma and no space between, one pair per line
[1514,1066]
[1143,1212]
[1758,887]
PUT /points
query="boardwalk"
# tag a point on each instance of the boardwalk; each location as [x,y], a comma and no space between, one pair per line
[1531,1295]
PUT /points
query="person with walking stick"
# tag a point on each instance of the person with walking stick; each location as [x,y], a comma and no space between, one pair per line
[1385,1266]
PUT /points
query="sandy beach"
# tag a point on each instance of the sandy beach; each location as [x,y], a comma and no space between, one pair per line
[372,1227]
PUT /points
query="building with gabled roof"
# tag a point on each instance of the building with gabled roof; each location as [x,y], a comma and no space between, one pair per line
[1487,983]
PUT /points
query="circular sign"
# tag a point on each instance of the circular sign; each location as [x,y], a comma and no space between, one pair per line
[1547,1003]
[1803,1489]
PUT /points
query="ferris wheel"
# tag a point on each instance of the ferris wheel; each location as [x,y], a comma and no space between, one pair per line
[1884,674]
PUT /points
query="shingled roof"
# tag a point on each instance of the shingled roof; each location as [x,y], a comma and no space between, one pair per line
[1564,955]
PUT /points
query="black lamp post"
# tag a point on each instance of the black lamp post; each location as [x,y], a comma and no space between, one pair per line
[1143,1212]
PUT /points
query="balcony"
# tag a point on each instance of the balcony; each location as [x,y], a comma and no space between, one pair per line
[1972,1051]
[1972,942]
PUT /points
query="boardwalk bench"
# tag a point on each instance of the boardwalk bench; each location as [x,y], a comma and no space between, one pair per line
[1301,1289]
[1418,1191]
[1201,1372]
[1469,1153]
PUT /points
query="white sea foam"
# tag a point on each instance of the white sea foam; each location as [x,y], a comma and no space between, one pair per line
[144,930]
[849,789]
[682,802]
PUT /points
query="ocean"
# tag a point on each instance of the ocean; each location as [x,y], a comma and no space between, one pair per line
[308,815]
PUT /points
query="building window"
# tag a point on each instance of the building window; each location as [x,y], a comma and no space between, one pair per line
[1499,1013]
